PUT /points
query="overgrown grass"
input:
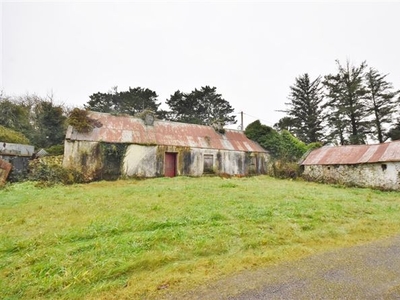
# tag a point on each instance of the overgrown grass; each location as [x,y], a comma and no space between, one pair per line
[138,239]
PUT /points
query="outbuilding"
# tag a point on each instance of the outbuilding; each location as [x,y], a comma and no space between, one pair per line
[146,147]
[376,166]
[18,156]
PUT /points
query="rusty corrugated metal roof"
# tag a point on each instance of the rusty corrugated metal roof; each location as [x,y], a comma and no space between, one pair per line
[354,154]
[16,149]
[126,129]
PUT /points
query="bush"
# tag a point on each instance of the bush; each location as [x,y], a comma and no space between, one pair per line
[280,145]
[10,136]
[50,174]
[292,149]
[285,169]
[314,145]
[56,150]
[79,119]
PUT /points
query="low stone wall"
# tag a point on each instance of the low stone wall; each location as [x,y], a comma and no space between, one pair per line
[377,175]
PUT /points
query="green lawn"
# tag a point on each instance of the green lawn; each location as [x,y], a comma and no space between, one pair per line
[138,239]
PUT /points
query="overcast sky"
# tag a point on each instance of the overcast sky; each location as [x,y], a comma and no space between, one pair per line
[251,51]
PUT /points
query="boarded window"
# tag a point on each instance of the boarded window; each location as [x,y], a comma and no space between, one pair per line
[208,163]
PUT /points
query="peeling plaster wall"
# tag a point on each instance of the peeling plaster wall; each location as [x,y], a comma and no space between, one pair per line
[82,156]
[140,161]
[379,175]
[149,160]
[231,163]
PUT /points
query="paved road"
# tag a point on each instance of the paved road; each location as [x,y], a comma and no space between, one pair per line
[370,271]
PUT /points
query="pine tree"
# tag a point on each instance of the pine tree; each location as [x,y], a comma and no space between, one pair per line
[128,102]
[203,106]
[380,99]
[347,113]
[394,132]
[305,110]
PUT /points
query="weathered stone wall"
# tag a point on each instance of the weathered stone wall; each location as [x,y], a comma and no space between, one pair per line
[377,175]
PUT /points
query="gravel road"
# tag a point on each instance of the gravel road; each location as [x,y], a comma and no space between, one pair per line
[370,271]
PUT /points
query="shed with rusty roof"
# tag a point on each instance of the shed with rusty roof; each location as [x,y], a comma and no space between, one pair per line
[375,166]
[144,147]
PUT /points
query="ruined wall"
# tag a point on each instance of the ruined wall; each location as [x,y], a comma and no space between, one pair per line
[230,162]
[377,175]
[96,160]
[148,161]
[82,156]
[140,161]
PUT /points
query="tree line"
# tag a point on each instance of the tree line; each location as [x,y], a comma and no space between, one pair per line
[202,106]
[43,123]
[352,106]
[32,119]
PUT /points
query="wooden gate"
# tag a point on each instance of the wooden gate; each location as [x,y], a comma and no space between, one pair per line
[170,164]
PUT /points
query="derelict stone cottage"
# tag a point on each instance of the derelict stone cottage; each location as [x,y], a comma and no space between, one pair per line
[376,166]
[136,147]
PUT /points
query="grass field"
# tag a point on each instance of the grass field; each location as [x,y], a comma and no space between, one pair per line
[139,239]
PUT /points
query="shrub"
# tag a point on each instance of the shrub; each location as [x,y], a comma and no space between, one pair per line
[292,149]
[50,174]
[285,169]
[280,145]
[79,119]
[10,136]
[313,146]
[56,150]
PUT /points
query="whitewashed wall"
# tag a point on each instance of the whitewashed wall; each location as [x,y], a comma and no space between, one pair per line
[82,157]
[140,161]
[148,160]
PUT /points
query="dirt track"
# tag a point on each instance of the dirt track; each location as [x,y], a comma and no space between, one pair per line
[370,271]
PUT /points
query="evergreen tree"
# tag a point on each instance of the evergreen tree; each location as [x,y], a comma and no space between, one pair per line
[184,108]
[380,102]
[50,124]
[305,110]
[128,102]
[347,113]
[285,123]
[394,132]
[203,106]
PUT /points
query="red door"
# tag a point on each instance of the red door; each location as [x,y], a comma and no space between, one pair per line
[170,164]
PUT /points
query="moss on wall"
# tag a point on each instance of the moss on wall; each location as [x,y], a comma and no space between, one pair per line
[112,156]
[183,156]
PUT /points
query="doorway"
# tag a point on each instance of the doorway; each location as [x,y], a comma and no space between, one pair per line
[170,164]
